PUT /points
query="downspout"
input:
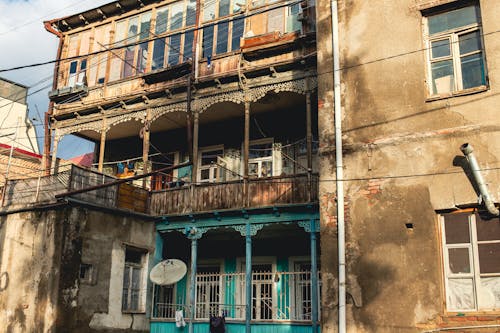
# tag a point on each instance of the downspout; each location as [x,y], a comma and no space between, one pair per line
[339,169]
[47,136]
[478,177]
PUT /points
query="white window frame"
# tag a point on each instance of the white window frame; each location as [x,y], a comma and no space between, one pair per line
[260,160]
[453,37]
[210,263]
[213,169]
[241,292]
[475,274]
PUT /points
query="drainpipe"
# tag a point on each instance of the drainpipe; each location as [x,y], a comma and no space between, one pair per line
[478,177]
[339,168]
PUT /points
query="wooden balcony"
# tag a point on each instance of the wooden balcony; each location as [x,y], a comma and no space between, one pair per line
[262,192]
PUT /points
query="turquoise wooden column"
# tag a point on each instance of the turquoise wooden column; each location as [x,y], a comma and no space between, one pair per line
[312,228]
[193,234]
[248,230]
[248,278]
[157,257]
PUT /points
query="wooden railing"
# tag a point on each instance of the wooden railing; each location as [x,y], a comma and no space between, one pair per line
[44,189]
[262,192]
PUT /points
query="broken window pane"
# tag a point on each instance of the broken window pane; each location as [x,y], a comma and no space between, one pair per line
[442,77]
[473,71]
[461,294]
[489,258]
[459,262]
[441,48]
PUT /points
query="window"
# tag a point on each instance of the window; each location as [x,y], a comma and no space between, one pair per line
[133,280]
[260,161]
[208,291]
[86,273]
[77,71]
[456,56]
[173,48]
[98,62]
[211,165]
[471,248]
[224,36]
[133,59]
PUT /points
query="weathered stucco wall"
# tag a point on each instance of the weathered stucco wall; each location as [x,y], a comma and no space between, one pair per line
[29,261]
[41,253]
[402,164]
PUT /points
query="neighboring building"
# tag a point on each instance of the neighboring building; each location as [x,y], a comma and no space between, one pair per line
[418,80]
[231,83]
[15,123]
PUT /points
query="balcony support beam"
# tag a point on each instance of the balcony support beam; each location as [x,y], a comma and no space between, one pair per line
[145,147]
[102,146]
[196,131]
[246,151]
[192,291]
[309,143]
[248,278]
[54,153]
[314,277]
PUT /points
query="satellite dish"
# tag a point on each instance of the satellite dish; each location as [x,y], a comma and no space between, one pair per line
[168,272]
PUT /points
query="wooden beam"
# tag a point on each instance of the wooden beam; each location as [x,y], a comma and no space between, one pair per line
[246,152]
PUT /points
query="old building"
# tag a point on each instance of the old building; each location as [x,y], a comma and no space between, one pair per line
[416,81]
[205,118]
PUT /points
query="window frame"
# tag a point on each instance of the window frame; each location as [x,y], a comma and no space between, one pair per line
[128,267]
[474,263]
[453,36]
[214,170]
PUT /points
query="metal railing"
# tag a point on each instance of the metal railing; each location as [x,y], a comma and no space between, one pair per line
[276,296]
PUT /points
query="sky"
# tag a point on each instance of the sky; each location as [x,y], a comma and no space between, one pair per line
[24,41]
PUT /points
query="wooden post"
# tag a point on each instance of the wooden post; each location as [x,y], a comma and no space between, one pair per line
[309,144]
[102,146]
[196,131]
[246,152]
[54,153]
[145,147]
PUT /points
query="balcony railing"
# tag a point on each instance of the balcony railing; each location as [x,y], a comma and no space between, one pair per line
[44,189]
[276,296]
[262,192]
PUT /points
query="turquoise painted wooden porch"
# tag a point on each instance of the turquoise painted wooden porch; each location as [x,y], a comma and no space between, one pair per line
[269,291]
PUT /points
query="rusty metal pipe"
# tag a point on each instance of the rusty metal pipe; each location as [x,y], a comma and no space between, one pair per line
[478,177]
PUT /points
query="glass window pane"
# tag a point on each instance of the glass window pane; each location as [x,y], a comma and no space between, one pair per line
[489,293]
[188,45]
[238,5]
[253,169]
[161,20]
[158,54]
[460,294]
[121,28]
[473,71]
[174,46]
[441,48]
[145,26]
[457,228]
[453,19]
[205,174]
[209,10]
[469,42]
[72,67]
[266,169]
[208,40]
[489,258]
[224,7]
[487,229]
[459,261]
[191,13]
[442,77]
[222,35]
[177,13]
[238,26]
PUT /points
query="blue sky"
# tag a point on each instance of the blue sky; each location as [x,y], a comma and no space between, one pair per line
[24,40]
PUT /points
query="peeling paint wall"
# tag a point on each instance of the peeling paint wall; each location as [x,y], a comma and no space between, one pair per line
[402,164]
[40,257]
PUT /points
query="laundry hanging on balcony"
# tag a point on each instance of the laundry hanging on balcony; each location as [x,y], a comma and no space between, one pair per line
[217,325]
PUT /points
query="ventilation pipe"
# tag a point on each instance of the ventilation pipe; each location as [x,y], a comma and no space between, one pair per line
[339,175]
[478,177]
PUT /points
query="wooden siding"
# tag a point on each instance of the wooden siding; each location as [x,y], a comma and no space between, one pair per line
[217,196]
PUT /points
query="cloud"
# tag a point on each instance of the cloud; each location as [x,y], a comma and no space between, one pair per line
[24,40]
